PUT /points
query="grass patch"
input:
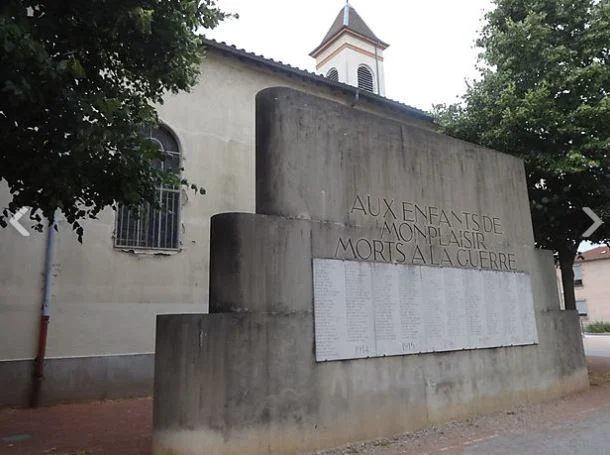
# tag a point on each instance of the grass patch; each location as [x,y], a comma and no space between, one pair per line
[598,327]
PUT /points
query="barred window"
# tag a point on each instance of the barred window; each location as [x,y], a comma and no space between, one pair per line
[150,227]
[365,79]
[333,74]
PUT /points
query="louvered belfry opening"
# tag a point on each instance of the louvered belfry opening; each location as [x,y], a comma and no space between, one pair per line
[333,75]
[365,79]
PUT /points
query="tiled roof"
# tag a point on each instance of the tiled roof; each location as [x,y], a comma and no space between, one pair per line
[349,19]
[317,79]
[596,254]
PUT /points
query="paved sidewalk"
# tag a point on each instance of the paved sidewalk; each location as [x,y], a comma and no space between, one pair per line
[120,427]
[579,424]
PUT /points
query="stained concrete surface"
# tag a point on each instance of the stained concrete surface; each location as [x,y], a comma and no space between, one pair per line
[597,346]
[244,380]
[578,424]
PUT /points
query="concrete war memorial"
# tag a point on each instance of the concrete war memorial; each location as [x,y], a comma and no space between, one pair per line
[387,281]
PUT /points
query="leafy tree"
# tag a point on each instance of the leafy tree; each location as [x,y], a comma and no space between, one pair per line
[78,80]
[543,95]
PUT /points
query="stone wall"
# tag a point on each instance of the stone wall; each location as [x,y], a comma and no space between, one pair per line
[245,380]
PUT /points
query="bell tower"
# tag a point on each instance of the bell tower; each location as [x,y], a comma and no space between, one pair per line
[351,53]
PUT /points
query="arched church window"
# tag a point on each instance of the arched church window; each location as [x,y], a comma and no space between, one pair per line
[333,74]
[148,227]
[365,78]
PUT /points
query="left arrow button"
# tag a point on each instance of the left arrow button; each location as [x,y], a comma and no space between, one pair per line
[14,221]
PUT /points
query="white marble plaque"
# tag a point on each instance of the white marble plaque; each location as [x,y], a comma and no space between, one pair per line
[368,309]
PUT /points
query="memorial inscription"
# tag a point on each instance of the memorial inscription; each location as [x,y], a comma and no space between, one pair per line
[411,233]
[429,279]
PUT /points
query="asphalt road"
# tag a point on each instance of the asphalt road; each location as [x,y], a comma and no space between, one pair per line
[597,346]
[589,434]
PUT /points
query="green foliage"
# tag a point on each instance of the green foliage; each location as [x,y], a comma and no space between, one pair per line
[598,327]
[78,80]
[543,95]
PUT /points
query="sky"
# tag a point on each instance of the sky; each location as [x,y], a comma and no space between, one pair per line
[431,51]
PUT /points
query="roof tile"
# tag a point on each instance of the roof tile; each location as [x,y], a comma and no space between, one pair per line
[596,254]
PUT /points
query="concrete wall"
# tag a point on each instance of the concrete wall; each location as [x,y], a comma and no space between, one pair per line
[244,380]
[105,299]
[312,163]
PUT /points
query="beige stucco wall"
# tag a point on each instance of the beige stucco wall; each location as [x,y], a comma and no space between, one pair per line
[104,300]
[20,289]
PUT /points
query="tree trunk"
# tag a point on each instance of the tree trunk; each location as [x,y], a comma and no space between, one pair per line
[566,264]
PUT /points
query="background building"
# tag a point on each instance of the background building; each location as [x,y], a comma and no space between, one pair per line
[107,292]
[592,284]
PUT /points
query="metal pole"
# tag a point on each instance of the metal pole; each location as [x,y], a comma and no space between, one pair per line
[45,313]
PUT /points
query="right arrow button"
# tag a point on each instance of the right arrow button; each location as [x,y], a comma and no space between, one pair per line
[597,222]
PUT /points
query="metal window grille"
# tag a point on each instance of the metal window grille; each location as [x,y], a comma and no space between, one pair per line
[333,75]
[365,79]
[149,227]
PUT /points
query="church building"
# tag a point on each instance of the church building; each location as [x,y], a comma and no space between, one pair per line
[106,292]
